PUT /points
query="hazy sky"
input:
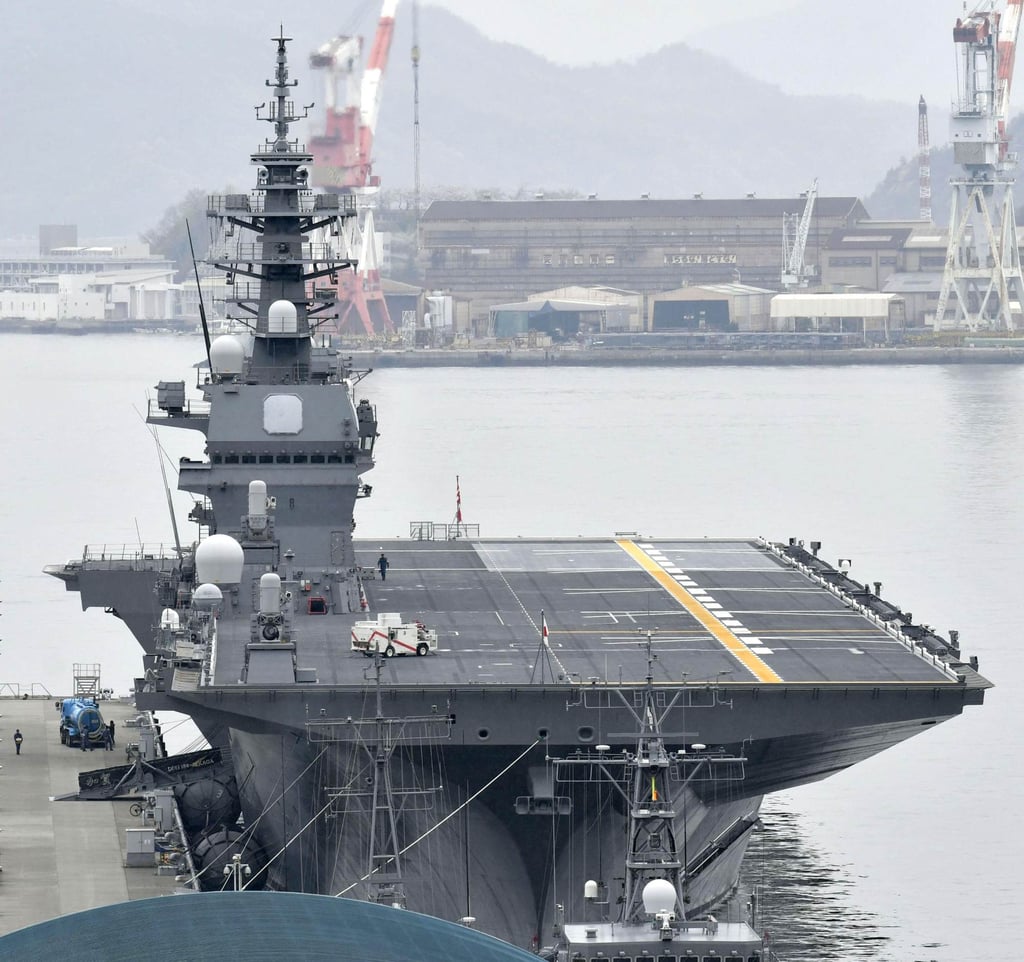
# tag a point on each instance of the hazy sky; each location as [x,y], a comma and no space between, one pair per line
[578,32]
[870,48]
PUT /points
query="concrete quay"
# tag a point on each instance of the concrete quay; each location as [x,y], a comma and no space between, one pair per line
[61,857]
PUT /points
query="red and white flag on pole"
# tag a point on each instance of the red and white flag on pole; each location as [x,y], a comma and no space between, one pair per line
[458,501]
[543,628]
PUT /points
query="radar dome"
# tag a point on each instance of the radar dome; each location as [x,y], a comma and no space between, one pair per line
[282,318]
[219,560]
[257,497]
[659,895]
[169,618]
[226,355]
[207,597]
[270,593]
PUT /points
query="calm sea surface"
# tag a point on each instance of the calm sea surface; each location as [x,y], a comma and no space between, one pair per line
[915,473]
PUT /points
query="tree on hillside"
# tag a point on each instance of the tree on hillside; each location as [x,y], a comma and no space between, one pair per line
[170,238]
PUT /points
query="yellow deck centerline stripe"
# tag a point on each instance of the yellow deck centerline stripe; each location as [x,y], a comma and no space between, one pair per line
[755,665]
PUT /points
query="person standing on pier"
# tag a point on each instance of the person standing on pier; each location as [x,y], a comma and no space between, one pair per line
[382,563]
[18,739]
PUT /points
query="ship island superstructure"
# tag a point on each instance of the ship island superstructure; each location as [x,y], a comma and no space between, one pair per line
[420,780]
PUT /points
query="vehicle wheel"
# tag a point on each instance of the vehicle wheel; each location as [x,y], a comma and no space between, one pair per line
[63,737]
[422,648]
[389,652]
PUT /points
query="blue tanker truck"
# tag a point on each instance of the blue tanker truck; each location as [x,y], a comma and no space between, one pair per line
[81,724]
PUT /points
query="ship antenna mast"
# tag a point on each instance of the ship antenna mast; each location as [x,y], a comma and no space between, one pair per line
[651,844]
[281,115]
[199,291]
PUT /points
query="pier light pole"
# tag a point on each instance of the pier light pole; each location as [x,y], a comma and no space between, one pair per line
[237,868]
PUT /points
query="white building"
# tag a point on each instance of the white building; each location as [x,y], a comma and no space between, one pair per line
[876,317]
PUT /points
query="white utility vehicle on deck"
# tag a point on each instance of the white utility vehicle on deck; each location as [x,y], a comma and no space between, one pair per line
[389,635]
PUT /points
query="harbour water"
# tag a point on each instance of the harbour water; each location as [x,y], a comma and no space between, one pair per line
[913,473]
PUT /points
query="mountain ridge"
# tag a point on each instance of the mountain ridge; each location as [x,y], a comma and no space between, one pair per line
[145,104]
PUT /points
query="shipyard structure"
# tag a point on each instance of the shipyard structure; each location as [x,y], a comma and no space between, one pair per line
[700,264]
[554,269]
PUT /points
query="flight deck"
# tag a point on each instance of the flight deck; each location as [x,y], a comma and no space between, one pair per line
[736,612]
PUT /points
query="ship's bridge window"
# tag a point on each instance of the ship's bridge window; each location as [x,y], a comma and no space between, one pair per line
[645,958]
[666,958]
[266,459]
[316,459]
[248,459]
[712,958]
[334,459]
[231,459]
[300,459]
[283,459]
[282,414]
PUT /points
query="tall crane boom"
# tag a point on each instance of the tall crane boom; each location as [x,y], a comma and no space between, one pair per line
[1009,27]
[343,163]
[924,163]
[794,242]
[343,153]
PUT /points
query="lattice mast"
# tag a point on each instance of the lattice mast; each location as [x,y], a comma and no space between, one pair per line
[924,169]
[982,273]
[281,241]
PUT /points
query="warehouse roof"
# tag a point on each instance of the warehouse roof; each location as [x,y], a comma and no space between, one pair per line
[868,238]
[442,210]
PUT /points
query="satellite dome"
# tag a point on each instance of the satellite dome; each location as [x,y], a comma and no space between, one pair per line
[169,618]
[282,318]
[206,597]
[659,895]
[227,355]
[219,560]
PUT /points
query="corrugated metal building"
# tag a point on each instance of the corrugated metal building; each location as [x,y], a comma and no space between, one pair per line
[868,254]
[920,291]
[623,310]
[503,250]
[558,318]
[879,317]
[712,307]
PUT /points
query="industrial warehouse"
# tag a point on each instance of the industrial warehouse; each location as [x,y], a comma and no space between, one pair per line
[600,266]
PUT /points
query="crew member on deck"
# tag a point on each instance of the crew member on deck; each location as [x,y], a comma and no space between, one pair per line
[382,563]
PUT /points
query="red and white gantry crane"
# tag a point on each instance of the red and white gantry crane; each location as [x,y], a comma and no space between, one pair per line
[982,281]
[343,159]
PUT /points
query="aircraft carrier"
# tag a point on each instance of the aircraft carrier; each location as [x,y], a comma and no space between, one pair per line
[420,779]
